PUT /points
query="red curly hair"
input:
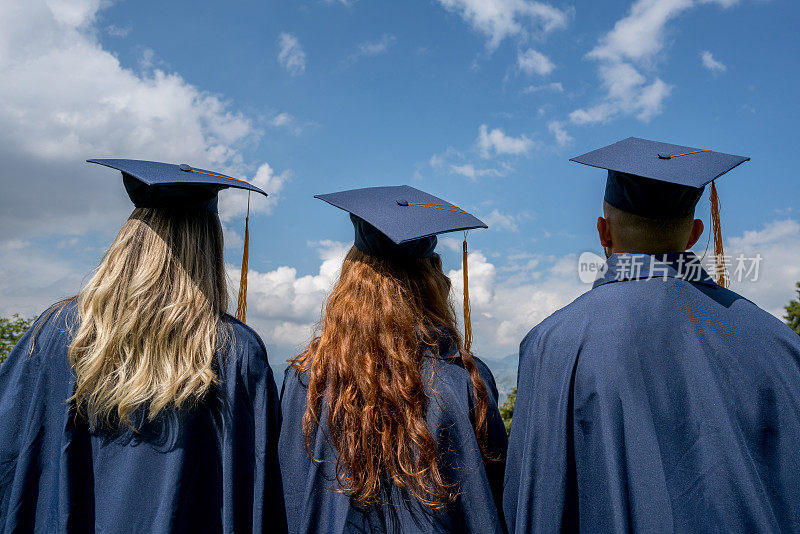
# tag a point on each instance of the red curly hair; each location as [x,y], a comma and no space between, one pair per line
[364,371]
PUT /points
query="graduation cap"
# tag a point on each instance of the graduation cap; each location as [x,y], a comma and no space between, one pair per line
[663,181]
[401,222]
[151,184]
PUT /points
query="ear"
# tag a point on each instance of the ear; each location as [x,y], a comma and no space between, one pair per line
[604,233]
[697,231]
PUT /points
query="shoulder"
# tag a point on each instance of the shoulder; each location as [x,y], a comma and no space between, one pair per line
[45,344]
[563,322]
[242,338]
[243,349]
[452,377]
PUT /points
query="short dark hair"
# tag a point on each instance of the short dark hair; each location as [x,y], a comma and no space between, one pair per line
[652,234]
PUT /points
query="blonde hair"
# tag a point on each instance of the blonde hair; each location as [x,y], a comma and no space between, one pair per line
[149,318]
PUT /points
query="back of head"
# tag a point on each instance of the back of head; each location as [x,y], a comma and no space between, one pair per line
[149,317]
[365,371]
[647,235]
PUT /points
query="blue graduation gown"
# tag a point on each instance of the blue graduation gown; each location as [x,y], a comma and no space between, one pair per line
[656,405]
[209,469]
[313,505]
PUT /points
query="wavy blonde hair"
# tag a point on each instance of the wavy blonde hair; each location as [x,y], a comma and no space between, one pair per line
[149,318]
[365,371]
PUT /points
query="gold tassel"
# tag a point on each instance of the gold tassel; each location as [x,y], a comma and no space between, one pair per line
[241,308]
[716,225]
[467,318]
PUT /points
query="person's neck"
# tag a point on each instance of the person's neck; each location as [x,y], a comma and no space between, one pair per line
[647,250]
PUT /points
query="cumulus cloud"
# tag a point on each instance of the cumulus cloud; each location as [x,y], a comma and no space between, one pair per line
[557,129]
[716,67]
[288,121]
[497,220]
[33,277]
[233,203]
[504,308]
[63,98]
[500,19]
[284,306]
[778,244]
[532,62]
[498,143]
[627,55]
[291,55]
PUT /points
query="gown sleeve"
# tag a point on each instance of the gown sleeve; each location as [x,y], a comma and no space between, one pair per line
[255,430]
[539,477]
[35,380]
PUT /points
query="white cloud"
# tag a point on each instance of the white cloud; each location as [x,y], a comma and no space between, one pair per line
[640,35]
[374,48]
[778,243]
[470,171]
[377,47]
[233,203]
[288,121]
[712,64]
[117,31]
[291,54]
[633,45]
[557,129]
[63,98]
[555,87]
[533,62]
[32,278]
[500,19]
[455,162]
[501,221]
[504,310]
[283,306]
[497,142]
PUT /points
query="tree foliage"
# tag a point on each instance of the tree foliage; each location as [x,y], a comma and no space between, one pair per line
[793,312]
[507,409]
[11,329]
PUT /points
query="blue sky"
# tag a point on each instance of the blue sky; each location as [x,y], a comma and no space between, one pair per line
[481,102]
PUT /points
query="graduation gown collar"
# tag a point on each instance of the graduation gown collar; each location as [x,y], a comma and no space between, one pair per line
[625,266]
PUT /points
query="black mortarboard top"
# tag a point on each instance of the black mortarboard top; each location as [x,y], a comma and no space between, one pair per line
[401,222]
[151,184]
[657,180]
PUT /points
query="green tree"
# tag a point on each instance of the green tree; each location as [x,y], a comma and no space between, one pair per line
[507,409]
[793,312]
[11,329]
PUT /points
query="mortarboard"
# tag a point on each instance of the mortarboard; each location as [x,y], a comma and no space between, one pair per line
[151,184]
[662,180]
[401,222]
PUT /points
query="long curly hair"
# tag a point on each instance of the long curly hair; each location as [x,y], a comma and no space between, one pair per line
[149,318]
[364,371]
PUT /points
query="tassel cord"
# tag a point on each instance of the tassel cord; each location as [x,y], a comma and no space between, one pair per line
[241,308]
